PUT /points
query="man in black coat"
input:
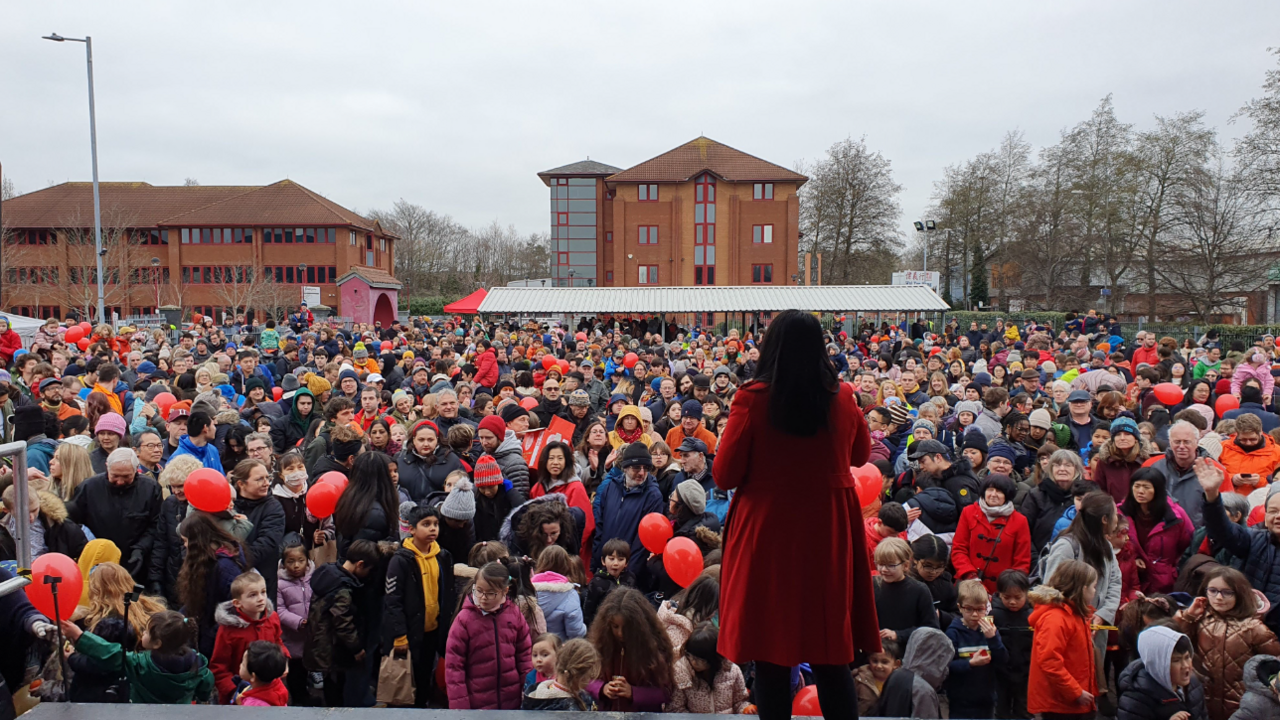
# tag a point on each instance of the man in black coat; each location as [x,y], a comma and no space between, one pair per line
[955,476]
[122,506]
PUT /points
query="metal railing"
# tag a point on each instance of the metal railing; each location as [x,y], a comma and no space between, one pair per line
[140,321]
[22,520]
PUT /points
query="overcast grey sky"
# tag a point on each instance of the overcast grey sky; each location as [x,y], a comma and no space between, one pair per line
[457,105]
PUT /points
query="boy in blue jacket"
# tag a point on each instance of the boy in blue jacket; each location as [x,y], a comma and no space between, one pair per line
[971,680]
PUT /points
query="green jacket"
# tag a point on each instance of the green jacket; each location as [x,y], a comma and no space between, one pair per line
[1205,366]
[147,682]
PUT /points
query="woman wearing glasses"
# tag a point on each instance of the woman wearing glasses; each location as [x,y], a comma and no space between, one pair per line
[792,597]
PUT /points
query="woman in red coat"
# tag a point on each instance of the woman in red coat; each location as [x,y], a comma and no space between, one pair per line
[795,579]
[991,537]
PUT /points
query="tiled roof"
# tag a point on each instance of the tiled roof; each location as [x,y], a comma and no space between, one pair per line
[705,154]
[582,167]
[145,205]
[373,277]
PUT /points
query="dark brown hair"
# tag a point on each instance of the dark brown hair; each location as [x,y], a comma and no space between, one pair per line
[1246,602]
[648,659]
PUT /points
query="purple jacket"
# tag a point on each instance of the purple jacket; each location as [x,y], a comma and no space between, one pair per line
[293,602]
[1165,544]
[486,658]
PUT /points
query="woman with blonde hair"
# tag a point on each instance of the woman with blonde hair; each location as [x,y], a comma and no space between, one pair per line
[69,466]
[108,584]
[889,389]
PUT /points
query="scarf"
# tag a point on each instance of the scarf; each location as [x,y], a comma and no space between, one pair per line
[430,581]
[629,437]
[992,513]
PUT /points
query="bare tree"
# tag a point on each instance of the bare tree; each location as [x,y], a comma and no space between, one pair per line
[8,190]
[191,182]
[849,211]
[123,250]
[1258,152]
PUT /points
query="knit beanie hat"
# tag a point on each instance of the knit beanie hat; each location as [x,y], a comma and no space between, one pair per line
[635,454]
[969,406]
[399,395]
[461,503]
[1041,419]
[1003,450]
[317,384]
[360,351]
[289,383]
[1212,444]
[111,422]
[927,425]
[976,440]
[899,414]
[495,425]
[511,411]
[1124,424]
[487,472]
[693,495]
[579,398]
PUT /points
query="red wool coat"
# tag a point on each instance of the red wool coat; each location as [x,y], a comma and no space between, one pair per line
[795,580]
[985,549]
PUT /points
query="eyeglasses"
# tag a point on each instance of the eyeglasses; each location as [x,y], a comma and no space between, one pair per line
[1224,594]
[484,595]
[151,445]
[882,566]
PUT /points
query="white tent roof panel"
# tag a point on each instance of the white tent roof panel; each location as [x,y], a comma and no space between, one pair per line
[742,298]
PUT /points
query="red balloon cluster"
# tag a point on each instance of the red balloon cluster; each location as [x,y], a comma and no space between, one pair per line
[334,478]
[322,499]
[208,490]
[73,334]
[682,559]
[70,584]
[655,531]
[1168,394]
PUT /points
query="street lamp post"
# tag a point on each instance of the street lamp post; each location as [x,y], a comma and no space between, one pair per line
[93,148]
[155,279]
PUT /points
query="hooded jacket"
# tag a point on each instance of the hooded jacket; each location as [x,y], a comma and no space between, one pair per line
[421,476]
[335,630]
[561,605]
[966,683]
[1062,660]
[179,680]
[1163,549]
[487,657]
[486,368]
[938,509]
[235,632]
[727,695]
[1146,691]
[1259,701]
[510,457]
[207,455]
[632,411]
[618,511]
[293,603]
[61,534]
[926,661]
[1262,461]
[287,431]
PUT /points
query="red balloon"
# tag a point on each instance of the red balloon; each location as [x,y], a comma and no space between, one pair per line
[277,393]
[529,403]
[322,499]
[563,365]
[334,478]
[1225,403]
[868,481]
[805,703]
[86,327]
[386,345]
[208,490]
[583,337]
[1168,394]
[1257,515]
[655,531]
[73,334]
[682,560]
[83,343]
[548,360]
[629,360]
[40,593]
[164,401]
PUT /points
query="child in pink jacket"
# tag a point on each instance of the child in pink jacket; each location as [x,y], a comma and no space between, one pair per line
[1254,366]
[489,651]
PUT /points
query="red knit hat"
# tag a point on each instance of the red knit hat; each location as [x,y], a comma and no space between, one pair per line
[424,423]
[495,425]
[487,472]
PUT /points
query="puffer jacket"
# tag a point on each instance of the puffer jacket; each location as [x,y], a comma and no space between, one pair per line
[938,510]
[486,368]
[984,548]
[1261,462]
[235,633]
[1247,370]
[1062,661]
[510,457]
[678,627]
[487,657]
[561,605]
[961,482]
[728,696]
[335,630]
[1143,698]
[293,603]
[1259,701]
[1261,555]
[1164,547]
[421,476]
[1223,648]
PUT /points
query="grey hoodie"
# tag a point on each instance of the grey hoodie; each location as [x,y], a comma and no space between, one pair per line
[1155,647]
[1259,701]
[928,652]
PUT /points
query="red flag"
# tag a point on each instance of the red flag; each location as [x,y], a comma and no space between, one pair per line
[532,442]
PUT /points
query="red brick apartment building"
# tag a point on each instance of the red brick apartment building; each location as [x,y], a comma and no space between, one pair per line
[202,248]
[701,214]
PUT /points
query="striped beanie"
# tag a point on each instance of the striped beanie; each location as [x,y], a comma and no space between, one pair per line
[487,472]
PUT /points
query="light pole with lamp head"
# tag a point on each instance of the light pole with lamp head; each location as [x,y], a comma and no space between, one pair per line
[93,148]
[155,279]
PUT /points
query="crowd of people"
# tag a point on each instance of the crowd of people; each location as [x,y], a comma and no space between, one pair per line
[1051,534]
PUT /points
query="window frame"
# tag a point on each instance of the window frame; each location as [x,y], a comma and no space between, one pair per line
[647,235]
[647,192]
[647,274]
[760,271]
[762,234]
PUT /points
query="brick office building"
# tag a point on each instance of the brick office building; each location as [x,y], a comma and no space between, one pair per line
[203,248]
[701,214]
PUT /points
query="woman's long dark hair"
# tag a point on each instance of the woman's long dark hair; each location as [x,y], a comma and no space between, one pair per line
[370,483]
[802,381]
[204,539]
[648,658]
[1089,529]
[1159,504]
[567,474]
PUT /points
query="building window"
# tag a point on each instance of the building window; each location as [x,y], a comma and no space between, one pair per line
[649,193]
[648,234]
[762,234]
[608,276]
[704,231]
[608,237]
[35,237]
[762,274]
[562,258]
[648,275]
[762,191]
[292,236]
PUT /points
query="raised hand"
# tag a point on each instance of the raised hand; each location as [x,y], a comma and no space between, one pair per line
[1210,477]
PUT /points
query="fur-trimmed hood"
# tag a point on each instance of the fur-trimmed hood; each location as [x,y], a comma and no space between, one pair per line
[507,534]
[51,506]
[227,615]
